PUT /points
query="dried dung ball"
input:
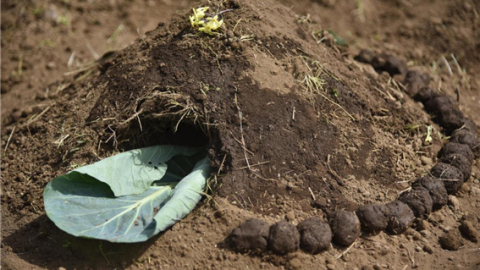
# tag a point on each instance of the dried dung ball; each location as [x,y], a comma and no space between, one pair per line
[283,238]
[365,56]
[401,217]
[345,227]
[461,162]
[419,200]
[451,240]
[438,104]
[469,125]
[250,236]
[451,120]
[446,111]
[373,217]
[456,148]
[425,94]
[315,235]
[451,176]
[435,188]
[464,136]
[389,63]
[468,231]
[415,80]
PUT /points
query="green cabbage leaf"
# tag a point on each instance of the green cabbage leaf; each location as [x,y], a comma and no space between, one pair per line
[131,196]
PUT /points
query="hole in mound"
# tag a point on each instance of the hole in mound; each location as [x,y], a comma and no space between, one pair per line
[172,131]
[162,132]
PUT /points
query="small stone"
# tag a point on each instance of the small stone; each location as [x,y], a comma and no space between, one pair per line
[295,264]
[425,233]
[423,225]
[468,231]
[465,188]
[418,249]
[416,236]
[475,191]
[472,218]
[290,215]
[453,201]
[331,266]
[428,248]
[51,65]
[426,160]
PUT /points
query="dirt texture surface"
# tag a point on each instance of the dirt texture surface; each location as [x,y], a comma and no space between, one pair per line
[306,109]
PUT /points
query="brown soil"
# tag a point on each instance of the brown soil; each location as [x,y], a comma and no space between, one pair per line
[280,149]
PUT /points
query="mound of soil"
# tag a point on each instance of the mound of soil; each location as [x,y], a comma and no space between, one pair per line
[289,119]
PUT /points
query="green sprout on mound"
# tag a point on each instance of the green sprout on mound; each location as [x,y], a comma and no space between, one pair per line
[206,23]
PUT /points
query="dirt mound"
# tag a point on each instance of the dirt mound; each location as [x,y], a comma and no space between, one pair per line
[291,122]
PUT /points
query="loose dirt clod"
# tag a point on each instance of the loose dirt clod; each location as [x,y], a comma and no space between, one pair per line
[401,217]
[463,136]
[451,176]
[468,231]
[436,189]
[389,63]
[419,200]
[249,236]
[315,235]
[456,148]
[365,56]
[461,162]
[451,240]
[415,80]
[373,217]
[383,62]
[283,238]
[345,227]
[425,94]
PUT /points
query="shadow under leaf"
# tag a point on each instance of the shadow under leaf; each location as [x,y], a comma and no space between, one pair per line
[41,243]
